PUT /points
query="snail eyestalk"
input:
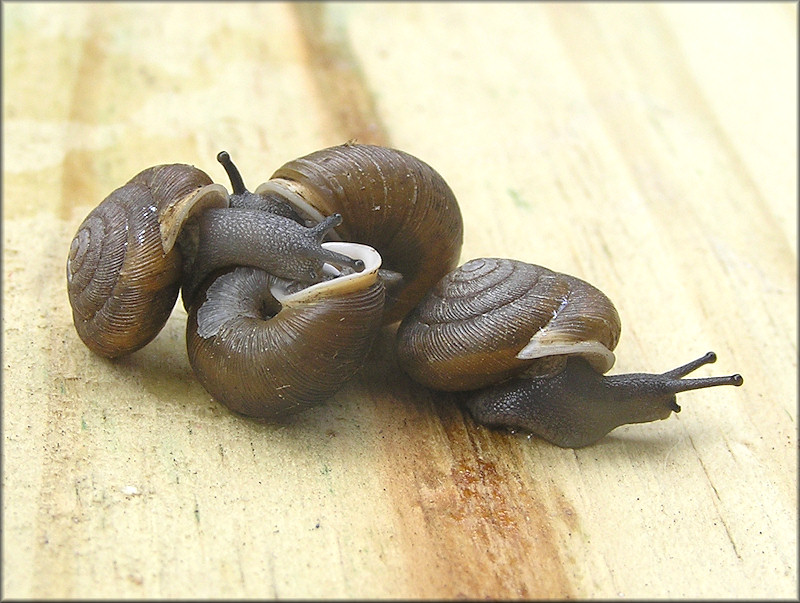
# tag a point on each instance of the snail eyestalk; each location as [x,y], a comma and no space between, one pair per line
[666,385]
[327,255]
[688,384]
[685,369]
[327,224]
[236,178]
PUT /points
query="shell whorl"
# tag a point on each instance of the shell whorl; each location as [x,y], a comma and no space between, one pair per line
[391,201]
[123,269]
[492,318]
[268,351]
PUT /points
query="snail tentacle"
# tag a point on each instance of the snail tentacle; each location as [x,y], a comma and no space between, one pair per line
[243,198]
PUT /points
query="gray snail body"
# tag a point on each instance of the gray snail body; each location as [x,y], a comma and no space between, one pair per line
[308,310]
[530,346]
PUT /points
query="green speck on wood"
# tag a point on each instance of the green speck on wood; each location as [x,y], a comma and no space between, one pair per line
[518,200]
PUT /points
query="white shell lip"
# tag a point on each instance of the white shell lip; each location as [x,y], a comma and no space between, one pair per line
[595,353]
[174,215]
[289,192]
[337,286]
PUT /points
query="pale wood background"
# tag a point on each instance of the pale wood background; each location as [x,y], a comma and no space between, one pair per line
[650,149]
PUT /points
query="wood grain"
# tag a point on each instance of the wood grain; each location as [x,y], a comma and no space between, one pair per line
[647,148]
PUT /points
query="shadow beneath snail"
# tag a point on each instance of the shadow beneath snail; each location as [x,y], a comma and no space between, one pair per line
[396,402]
[405,404]
[163,370]
[162,367]
[384,378]
[614,444]
[380,395]
[452,409]
[399,399]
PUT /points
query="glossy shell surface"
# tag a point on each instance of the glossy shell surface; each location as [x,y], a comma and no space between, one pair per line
[391,201]
[268,351]
[123,269]
[493,318]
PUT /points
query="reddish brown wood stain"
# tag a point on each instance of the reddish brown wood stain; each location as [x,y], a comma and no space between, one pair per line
[345,98]
[473,520]
[472,524]
[78,180]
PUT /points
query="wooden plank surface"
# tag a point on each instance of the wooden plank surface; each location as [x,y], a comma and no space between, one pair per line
[648,148]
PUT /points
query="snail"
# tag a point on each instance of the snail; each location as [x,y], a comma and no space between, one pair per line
[257,262]
[124,267]
[279,318]
[133,252]
[531,346]
[270,347]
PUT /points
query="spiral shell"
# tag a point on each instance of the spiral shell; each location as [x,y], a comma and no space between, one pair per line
[389,200]
[123,268]
[493,318]
[268,351]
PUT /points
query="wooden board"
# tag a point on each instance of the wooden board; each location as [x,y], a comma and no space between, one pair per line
[647,148]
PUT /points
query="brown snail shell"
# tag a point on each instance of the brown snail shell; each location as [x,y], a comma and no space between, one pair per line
[493,318]
[268,351]
[124,267]
[389,200]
